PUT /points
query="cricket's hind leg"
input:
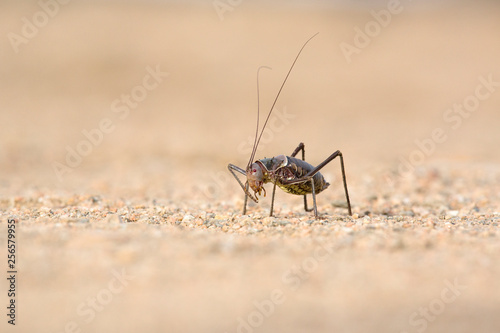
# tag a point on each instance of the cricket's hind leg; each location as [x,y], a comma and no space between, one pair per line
[316,170]
[301,147]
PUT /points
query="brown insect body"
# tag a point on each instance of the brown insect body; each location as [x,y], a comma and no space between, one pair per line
[281,170]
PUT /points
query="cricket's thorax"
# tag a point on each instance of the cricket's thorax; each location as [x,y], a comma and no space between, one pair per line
[281,168]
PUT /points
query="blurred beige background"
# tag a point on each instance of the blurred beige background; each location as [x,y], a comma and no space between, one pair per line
[394,91]
[72,71]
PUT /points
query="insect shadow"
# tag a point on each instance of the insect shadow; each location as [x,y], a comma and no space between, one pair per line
[291,174]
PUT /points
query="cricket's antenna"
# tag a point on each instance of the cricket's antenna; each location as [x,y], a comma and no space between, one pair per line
[257,137]
[258,114]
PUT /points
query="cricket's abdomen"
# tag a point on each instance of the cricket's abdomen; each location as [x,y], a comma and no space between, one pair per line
[295,169]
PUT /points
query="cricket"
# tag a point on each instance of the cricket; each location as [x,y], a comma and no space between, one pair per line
[291,174]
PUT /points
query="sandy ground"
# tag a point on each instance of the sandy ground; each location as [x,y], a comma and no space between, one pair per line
[119,120]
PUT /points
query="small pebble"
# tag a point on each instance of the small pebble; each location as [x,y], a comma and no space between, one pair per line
[187,218]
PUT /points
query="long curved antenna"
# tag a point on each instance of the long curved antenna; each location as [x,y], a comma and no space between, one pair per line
[258,114]
[257,140]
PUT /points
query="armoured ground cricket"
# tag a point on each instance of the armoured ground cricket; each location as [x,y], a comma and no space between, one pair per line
[289,173]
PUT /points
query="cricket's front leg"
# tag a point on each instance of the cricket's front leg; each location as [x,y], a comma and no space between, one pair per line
[233,168]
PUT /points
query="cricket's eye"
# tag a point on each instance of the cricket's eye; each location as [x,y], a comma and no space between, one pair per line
[254,170]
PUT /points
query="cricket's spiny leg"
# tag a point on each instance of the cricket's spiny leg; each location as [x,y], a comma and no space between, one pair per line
[300,147]
[232,168]
[314,171]
[345,184]
[246,200]
[272,200]
[314,199]
[331,157]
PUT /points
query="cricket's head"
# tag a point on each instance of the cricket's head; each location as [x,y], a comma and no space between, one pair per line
[255,178]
